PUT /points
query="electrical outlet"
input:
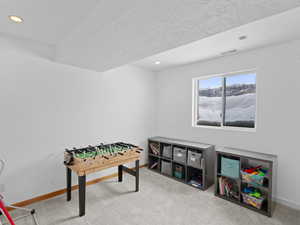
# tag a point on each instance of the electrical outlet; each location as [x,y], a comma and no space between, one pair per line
[2,188]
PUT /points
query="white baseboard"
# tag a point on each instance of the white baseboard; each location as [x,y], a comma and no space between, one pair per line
[291,204]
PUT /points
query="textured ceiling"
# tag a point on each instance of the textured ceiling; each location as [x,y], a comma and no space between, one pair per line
[273,30]
[119,32]
[103,34]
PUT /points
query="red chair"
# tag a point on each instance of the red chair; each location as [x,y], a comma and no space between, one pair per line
[5,212]
[3,207]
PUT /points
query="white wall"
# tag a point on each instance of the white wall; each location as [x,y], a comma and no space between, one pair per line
[278,83]
[46,107]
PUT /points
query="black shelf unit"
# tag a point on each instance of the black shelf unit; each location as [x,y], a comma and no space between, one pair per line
[246,159]
[206,173]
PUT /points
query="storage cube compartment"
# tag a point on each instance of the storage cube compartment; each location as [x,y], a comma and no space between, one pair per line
[179,154]
[154,163]
[255,180]
[228,187]
[179,171]
[195,177]
[154,148]
[166,167]
[252,201]
[195,159]
[255,172]
[254,197]
[166,150]
[229,166]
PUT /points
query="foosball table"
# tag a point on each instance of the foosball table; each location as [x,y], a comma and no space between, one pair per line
[92,159]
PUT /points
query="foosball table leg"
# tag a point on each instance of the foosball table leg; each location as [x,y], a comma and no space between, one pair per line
[120,173]
[137,178]
[69,184]
[82,184]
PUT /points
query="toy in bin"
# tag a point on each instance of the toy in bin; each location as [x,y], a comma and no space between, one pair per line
[178,172]
[252,192]
[254,175]
[253,197]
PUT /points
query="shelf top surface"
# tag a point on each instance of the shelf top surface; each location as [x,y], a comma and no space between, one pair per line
[180,142]
[247,153]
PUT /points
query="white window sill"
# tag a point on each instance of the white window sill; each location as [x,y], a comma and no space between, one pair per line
[242,129]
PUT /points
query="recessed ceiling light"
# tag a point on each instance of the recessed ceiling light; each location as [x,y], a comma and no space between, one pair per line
[243,37]
[157,62]
[16,19]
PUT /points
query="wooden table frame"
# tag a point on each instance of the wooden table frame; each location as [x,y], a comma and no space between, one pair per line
[82,183]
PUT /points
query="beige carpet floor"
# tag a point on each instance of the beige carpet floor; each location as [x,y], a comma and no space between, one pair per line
[161,201]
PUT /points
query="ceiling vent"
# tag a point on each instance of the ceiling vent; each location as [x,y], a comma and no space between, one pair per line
[230,52]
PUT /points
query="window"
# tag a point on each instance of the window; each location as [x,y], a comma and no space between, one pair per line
[227,100]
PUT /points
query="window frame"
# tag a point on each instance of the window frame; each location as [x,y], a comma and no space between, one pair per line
[222,75]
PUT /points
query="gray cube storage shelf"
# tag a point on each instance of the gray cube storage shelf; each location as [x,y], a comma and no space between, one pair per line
[245,160]
[189,162]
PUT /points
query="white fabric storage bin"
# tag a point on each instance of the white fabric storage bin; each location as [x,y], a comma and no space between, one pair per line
[167,151]
[166,167]
[179,155]
[194,159]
